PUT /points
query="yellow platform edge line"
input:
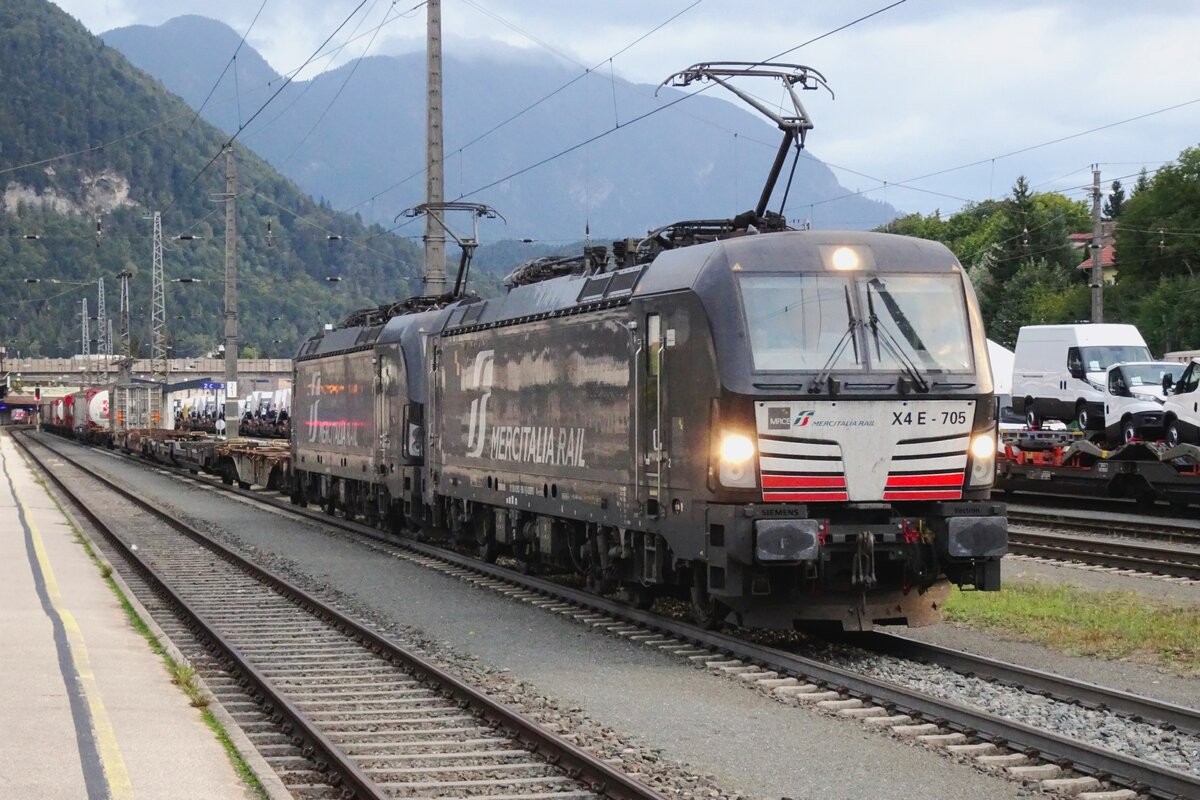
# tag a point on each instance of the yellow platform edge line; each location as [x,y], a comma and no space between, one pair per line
[115,773]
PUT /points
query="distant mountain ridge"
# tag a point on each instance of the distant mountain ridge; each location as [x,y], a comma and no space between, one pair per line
[703,158]
[89,146]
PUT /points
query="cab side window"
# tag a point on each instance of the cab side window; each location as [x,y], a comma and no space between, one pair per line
[1189,381]
[1074,360]
[1116,382]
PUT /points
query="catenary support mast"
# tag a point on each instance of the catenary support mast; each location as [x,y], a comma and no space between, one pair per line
[231,319]
[85,342]
[435,234]
[158,308]
[1097,249]
[103,330]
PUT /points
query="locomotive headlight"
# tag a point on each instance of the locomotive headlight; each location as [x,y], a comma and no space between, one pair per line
[736,448]
[983,459]
[737,461]
[844,258]
[983,446]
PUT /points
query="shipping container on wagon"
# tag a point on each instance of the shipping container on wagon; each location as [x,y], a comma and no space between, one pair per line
[137,406]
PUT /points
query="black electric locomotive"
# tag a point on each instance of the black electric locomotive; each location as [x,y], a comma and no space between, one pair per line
[789,426]
[780,426]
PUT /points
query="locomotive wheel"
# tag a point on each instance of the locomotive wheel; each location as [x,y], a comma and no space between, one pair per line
[485,537]
[706,611]
[640,596]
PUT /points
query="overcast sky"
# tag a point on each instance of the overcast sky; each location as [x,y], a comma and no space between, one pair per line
[923,87]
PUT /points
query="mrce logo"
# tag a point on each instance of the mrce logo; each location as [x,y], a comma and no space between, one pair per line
[782,418]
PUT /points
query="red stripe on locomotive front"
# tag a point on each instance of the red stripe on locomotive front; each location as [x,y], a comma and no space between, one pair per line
[804,481]
[943,479]
[950,494]
[805,497]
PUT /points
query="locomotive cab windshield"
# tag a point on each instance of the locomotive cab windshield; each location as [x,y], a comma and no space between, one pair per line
[864,323]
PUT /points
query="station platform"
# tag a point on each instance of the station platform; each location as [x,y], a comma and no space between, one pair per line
[89,710]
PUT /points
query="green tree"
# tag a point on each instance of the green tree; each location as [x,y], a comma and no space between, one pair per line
[1115,203]
[1040,293]
[1005,243]
[1142,183]
[1156,236]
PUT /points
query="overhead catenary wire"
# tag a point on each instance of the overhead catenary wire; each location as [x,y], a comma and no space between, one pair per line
[1018,151]
[587,71]
[616,127]
[286,82]
[670,104]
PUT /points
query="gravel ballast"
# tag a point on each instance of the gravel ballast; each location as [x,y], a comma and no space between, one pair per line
[674,714]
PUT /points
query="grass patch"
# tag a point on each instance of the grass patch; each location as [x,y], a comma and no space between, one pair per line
[1116,625]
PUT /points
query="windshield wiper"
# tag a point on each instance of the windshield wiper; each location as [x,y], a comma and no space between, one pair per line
[889,342]
[838,349]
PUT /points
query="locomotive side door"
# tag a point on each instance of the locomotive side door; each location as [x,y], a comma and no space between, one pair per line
[389,399]
[654,465]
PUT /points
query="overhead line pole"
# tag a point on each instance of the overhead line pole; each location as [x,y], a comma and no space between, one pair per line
[1097,248]
[435,234]
[231,319]
[125,369]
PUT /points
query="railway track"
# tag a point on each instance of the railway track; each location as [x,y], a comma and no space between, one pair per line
[1027,751]
[1090,522]
[1106,552]
[340,711]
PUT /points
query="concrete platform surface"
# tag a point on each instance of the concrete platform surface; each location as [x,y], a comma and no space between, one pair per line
[89,710]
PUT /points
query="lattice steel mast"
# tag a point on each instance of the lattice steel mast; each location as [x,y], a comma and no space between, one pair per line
[103,330]
[158,308]
[85,341]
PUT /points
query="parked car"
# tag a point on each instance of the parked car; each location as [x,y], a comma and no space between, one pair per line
[1181,410]
[1134,397]
[1060,371]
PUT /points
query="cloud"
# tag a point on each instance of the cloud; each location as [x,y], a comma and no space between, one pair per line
[920,88]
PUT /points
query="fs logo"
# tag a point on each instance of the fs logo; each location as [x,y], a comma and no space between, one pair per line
[478,379]
[802,418]
[314,411]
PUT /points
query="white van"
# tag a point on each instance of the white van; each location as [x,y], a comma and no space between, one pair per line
[1060,370]
[1182,407]
[1134,398]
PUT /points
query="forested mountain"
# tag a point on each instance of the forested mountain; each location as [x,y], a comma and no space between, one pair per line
[89,145]
[353,133]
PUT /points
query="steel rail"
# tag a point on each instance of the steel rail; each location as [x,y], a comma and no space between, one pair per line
[330,758]
[1058,687]
[577,763]
[1157,781]
[1163,529]
[1106,552]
